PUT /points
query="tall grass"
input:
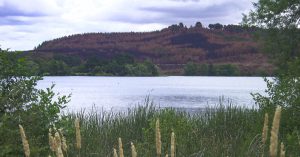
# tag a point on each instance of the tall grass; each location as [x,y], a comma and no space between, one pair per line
[215,132]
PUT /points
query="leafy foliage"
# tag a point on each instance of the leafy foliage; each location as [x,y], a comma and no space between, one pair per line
[22,103]
[280,20]
[120,65]
[192,69]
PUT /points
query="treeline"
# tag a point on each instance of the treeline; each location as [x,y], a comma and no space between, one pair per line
[216,26]
[120,65]
[193,69]
[117,37]
[176,44]
[127,65]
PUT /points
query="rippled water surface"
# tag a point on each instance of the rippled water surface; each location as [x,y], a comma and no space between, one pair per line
[119,93]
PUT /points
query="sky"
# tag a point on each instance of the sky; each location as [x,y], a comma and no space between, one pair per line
[26,23]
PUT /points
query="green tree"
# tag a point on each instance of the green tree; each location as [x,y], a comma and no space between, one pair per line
[203,69]
[57,68]
[115,69]
[22,103]
[279,23]
[69,60]
[216,26]
[146,68]
[137,70]
[227,70]
[211,70]
[191,69]
[93,62]
[151,68]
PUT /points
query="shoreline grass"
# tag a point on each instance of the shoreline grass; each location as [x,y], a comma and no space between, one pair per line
[217,131]
[146,131]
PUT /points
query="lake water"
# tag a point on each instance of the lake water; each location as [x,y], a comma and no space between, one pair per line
[120,93]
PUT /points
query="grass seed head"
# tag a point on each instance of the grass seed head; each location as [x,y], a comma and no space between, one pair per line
[173,144]
[282,150]
[121,152]
[133,150]
[115,153]
[24,141]
[58,151]
[158,138]
[52,142]
[274,133]
[78,136]
[63,141]
[265,129]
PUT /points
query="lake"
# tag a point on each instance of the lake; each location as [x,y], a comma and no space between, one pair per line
[120,93]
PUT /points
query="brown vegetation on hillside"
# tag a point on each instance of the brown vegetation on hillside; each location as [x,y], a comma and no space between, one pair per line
[170,48]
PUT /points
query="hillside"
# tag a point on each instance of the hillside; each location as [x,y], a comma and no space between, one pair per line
[170,48]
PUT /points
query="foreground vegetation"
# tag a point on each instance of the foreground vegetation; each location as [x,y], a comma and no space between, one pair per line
[215,132]
[222,131]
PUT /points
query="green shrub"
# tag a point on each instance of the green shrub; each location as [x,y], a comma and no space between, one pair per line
[22,103]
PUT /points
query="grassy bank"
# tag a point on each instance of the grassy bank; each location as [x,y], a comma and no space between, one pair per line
[220,131]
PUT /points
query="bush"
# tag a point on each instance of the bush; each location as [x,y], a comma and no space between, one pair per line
[284,91]
[22,103]
[193,69]
[280,35]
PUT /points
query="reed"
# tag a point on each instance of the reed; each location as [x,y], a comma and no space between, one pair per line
[24,141]
[64,144]
[133,150]
[265,129]
[115,153]
[52,143]
[207,132]
[212,132]
[282,150]
[172,144]
[265,133]
[78,135]
[158,138]
[63,141]
[121,152]
[58,149]
[274,133]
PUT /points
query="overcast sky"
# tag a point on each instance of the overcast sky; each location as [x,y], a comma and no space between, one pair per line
[26,23]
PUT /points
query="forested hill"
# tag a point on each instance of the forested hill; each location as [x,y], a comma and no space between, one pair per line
[170,48]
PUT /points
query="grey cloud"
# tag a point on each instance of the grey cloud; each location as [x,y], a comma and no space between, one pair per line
[7,10]
[196,11]
[29,27]
[11,21]
[187,15]
[141,20]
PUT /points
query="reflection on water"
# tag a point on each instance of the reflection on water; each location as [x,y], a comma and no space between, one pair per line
[119,93]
